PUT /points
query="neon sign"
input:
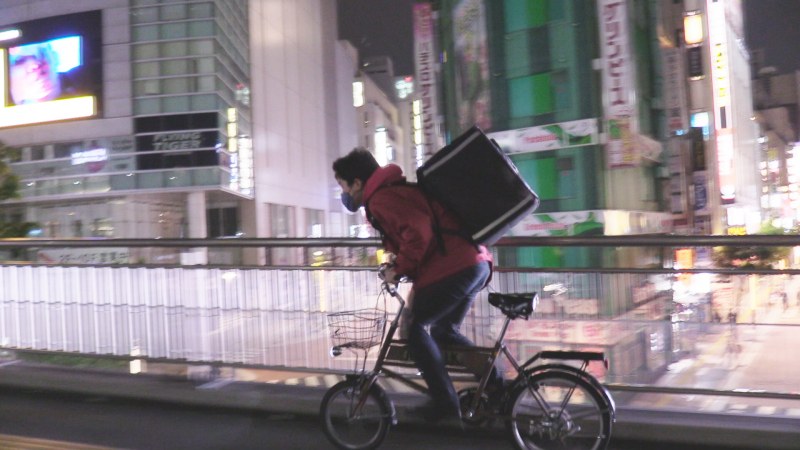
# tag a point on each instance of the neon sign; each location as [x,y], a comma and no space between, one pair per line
[720,82]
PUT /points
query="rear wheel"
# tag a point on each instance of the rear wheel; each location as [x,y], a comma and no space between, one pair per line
[558,410]
[349,427]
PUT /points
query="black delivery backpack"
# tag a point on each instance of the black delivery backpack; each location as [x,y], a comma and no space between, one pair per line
[474,179]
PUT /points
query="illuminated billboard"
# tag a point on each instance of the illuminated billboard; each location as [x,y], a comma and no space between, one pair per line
[723,124]
[51,70]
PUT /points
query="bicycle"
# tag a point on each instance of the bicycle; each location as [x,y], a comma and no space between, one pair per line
[547,407]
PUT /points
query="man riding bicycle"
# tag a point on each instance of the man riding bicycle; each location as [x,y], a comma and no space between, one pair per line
[447,271]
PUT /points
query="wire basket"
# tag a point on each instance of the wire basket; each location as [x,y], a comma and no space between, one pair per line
[362,329]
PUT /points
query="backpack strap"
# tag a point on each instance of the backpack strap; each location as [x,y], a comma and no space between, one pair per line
[437,230]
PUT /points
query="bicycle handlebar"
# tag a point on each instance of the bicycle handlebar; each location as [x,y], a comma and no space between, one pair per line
[391,287]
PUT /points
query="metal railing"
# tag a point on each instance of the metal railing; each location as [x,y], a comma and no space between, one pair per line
[274,317]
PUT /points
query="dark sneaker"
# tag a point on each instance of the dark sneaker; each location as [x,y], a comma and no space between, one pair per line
[497,394]
[438,415]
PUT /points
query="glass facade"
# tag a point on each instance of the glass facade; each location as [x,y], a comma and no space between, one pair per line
[540,56]
[190,68]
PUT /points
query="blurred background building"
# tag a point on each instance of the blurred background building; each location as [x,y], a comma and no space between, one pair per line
[208,119]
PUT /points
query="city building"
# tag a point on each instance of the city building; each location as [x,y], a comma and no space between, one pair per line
[719,185]
[777,103]
[179,119]
[572,92]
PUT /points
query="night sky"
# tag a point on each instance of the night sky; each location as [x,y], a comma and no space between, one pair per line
[378,28]
[384,27]
[774,25]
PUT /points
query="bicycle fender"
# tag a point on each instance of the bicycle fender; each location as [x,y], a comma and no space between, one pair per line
[585,375]
[382,394]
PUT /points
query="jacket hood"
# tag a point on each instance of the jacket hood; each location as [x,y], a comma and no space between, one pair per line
[390,173]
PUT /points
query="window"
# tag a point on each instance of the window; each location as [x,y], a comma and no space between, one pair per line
[281,226]
[523,14]
[531,95]
[175,104]
[549,176]
[144,15]
[145,33]
[223,222]
[173,12]
[77,228]
[147,106]
[176,85]
[175,67]
[527,52]
[314,223]
[206,84]
[203,102]
[66,149]
[204,65]
[201,47]
[200,10]
[315,229]
[173,49]
[145,51]
[147,69]
[561,90]
[103,228]
[173,30]
[202,28]
[53,229]
[147,87]
[358,94]
[37,153]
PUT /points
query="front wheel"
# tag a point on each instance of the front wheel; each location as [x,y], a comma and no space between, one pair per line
[350,427]
[558,410]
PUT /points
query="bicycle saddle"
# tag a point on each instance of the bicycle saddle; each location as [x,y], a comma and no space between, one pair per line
[515,305]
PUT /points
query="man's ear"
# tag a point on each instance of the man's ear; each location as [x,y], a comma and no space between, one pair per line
[357,184]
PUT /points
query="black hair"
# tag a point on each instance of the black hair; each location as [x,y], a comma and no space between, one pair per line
[358,164]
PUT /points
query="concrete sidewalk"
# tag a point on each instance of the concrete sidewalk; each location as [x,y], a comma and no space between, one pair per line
[683,427]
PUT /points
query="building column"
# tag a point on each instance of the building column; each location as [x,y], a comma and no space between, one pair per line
[250,226]
[197,228]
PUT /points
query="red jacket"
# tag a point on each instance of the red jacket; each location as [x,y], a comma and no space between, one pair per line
[404,214]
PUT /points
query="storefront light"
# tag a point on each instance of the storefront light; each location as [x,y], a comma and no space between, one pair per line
[736,217]
[358,93]
[693,28]
[7,35]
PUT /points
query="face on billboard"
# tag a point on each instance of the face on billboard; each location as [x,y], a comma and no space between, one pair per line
[36,70]
[52,70]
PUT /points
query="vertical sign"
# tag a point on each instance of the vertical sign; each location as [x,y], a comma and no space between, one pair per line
[685,260]
[677,175]
[700,182]
[617,83]
[720,83]
[425,59]
[675,91]
[233,147]
[473,99]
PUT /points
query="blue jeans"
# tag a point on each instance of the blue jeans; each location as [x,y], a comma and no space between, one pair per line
[443,305]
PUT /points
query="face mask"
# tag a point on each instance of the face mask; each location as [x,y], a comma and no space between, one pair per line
[349,203]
